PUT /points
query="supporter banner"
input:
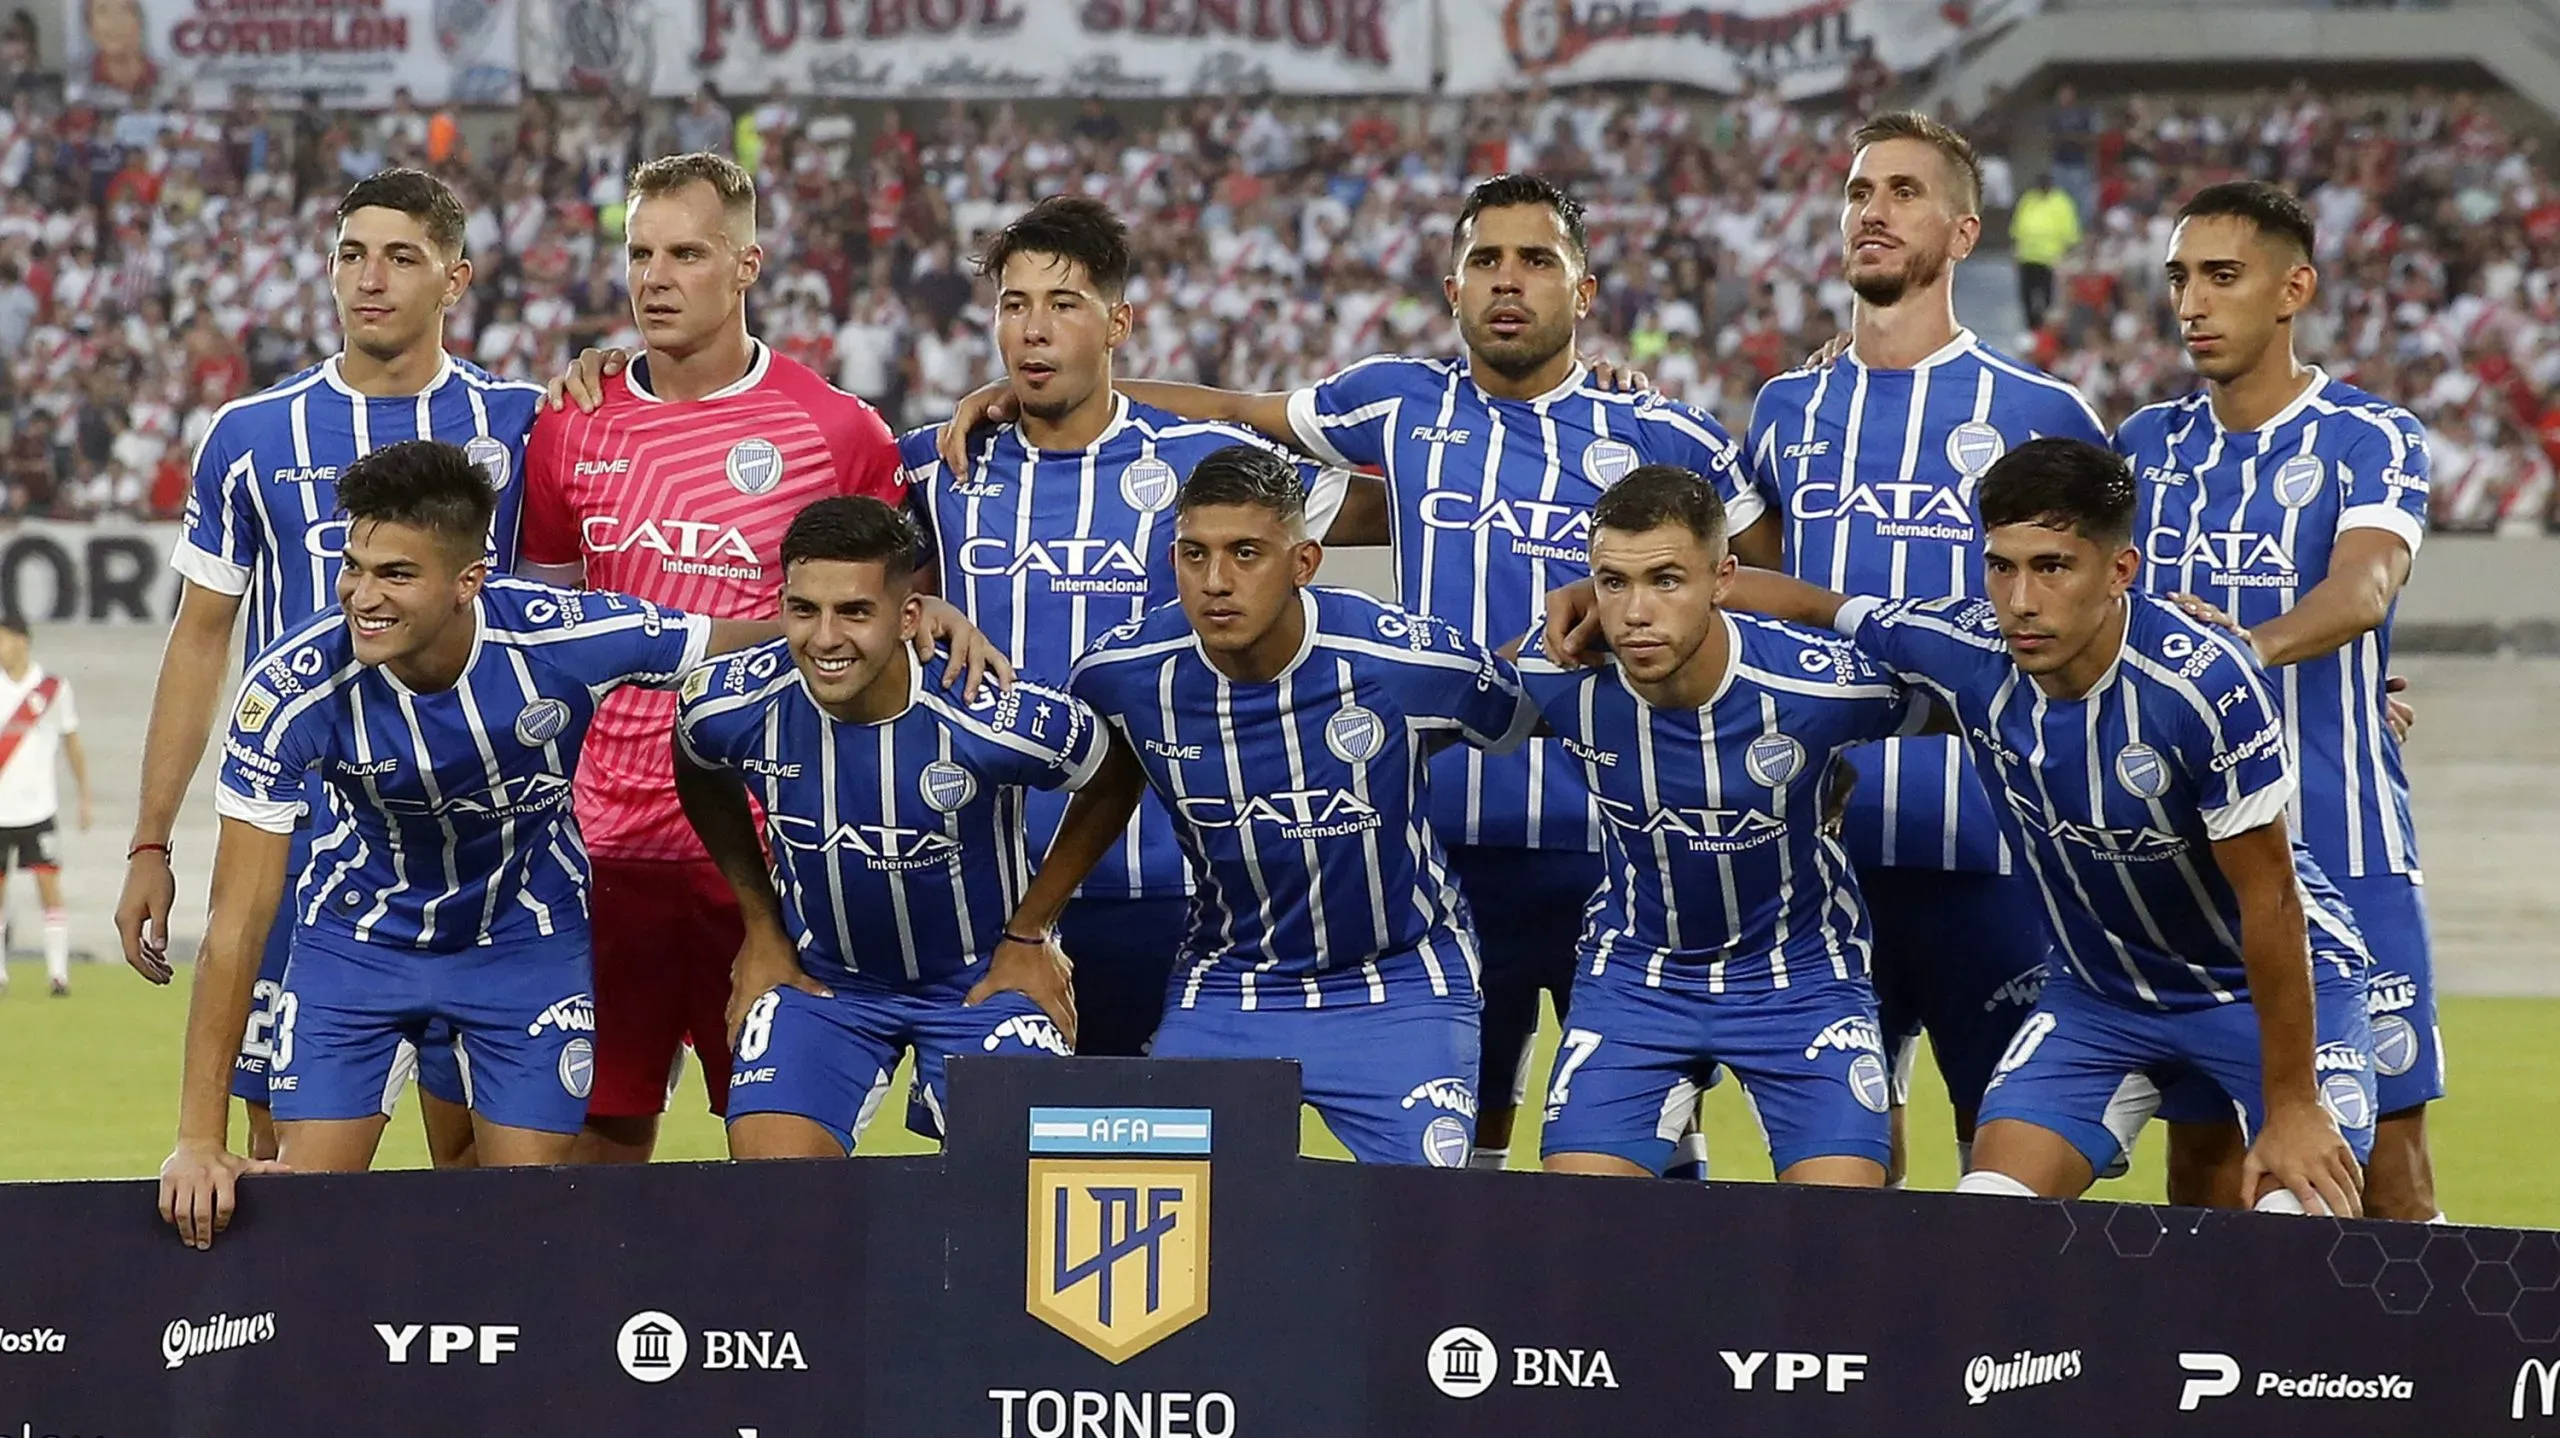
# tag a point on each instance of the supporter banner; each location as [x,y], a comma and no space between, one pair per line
[1119,1248]
[109,570]
[1806,47]
[355,53]
[982,48]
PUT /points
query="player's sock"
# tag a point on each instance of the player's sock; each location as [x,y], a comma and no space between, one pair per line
[2439,1218]
[57,949]
[1491,1159]
[1964,1155]
[2001,1185]
[1688,1158]
[2280,1200]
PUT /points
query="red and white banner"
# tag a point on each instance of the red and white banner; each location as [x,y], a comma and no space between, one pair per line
[992,49]
[191,53]
[1804,47]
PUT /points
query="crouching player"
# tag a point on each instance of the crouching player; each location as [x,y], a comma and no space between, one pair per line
[1289,729]
[1728,929]
[895,814]
[442,712]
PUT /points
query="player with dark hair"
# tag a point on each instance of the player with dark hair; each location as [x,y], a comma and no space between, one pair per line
[2296,504]
[263,533]
[2144,775]
[434,717]
[1491,461]
[1729,930]
[43,722]
[894,813]
[1288,728]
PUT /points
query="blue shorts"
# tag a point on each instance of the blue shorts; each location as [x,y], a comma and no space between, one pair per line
[1635,1059]
[2408,1045]
[1123,951]
[2093,1070]
[352,1017]
[1396,1082]
[830,1060]
[439,1071]
[1960,956]
[1528,906]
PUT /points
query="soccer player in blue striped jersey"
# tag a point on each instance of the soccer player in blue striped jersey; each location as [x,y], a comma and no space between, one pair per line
[1289,729]
[435,718]
[1056,531]
[1729,930]
[894,811]
[2295,503]
[1860,478]
[2141,762]
[1491,460]
[263,533]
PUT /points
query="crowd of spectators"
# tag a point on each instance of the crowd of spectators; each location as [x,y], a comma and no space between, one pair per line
[155,264]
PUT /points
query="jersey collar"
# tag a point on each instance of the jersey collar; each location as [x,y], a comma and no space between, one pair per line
[759,359]
[1963,343]
[1119,420]
[1572,381]
[336,379]
[915,691]
[1732,666]
[1306,646]
[2318,380]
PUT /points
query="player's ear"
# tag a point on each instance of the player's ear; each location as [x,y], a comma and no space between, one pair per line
[1726,568]
[1584,291]
[2127,569]
[1305,561]
[750,265]
[457,278]
[2301,286]
[911,614]
[1124,318]
[467,584]
[1968,233]
[1449,290]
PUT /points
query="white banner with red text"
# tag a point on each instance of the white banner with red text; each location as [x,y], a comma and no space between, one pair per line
[1803,47]
[355,53]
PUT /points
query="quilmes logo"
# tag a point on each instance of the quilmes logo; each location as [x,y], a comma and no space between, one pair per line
[1118,1242]
[182,1340]
[1987,1375]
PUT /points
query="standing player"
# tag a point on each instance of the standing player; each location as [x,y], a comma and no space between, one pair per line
[2145,775]
[1730,929]
[2296,503]
[678,489]
[262,530]
[1287,728]
[895,817]
[42,720]
[435,716]
[1861,477]
[1491,462]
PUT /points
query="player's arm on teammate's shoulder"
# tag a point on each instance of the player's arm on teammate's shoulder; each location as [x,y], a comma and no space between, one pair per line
[975,659]
[582,383]
[1028,959]
[198,1182]
[2300,1149]
[715,804]
[995,404]
[2367,567]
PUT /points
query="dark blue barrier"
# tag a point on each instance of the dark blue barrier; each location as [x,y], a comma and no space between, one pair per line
[1244,1294]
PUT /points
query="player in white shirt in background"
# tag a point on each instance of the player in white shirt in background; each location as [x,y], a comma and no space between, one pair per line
[37,722]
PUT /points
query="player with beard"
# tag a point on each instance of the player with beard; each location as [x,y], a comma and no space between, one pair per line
[1491,461]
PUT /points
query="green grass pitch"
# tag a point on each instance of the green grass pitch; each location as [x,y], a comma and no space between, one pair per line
[88,1090]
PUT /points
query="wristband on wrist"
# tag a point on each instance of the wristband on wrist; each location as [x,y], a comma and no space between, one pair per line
[162,849]
[1011,937]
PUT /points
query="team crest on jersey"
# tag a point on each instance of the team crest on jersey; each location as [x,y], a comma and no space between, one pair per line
[490,456]
[1148,484]
[2142,772]
[1355,735]
[542,721]
[946,786]
[1973,447]
[1606,461]
[1773,759]
[2298,479]
[754,466]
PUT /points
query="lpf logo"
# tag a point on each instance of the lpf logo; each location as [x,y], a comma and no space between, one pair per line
[1119,1234]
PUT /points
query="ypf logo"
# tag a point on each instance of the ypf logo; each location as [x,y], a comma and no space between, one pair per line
[2142,772]
[1148,484]
[946,786]
[1463,1362]
[754,466]
[1354,734]
[652,1346]
[542,721]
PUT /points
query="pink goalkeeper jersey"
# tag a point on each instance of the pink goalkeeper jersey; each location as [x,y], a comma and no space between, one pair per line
[685,504]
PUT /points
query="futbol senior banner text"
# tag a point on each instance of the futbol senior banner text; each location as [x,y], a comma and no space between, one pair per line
[1120,1248]
[1804,47]
[354,52]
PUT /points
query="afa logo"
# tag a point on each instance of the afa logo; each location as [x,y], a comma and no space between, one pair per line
[754,466]
[490,457]
[542,721]
[1773,759]
[2298,480]
[1973,447]
[946,786]
[1354,734]
[1606,461]
[1148,484]
[1117,1246]
[2142,772]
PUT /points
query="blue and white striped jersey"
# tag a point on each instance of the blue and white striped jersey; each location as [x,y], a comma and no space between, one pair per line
[1871,474]
[262,513]
[2247,521]
[1491,508]
[2116,798]
[897,846]
[1719,874]
[1303,804]
[1046,551]
[448,822]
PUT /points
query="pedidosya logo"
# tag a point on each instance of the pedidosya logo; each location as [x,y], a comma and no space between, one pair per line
[1463,1362]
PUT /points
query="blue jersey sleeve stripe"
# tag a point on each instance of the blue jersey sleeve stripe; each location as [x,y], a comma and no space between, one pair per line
[1309,424]
[1815,689]
[2041,381]
[962,719]
[1707,439]
[1113,654]
[1429,659]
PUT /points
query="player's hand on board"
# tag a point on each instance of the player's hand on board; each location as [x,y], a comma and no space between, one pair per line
[583,384]
[199,1188]
[987,404]
[2397,713]
[975,658]
[2301,1151]
[1573,624]
[142,913]
[1620,379]
[765,962]
[1039,972]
